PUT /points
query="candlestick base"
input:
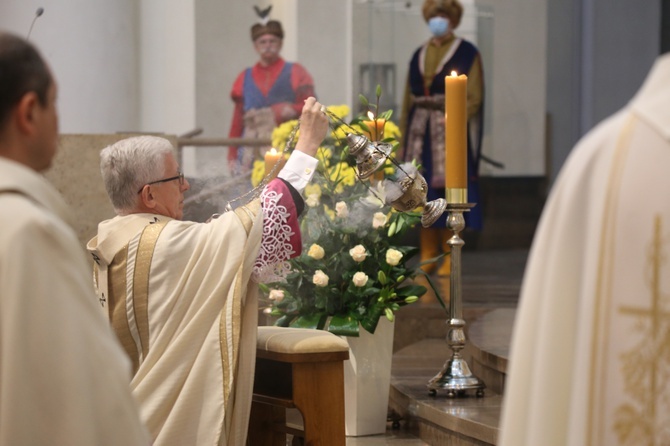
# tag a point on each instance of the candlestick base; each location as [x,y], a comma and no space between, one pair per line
[456,376]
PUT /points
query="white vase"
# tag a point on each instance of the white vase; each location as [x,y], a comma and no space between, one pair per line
[367,380]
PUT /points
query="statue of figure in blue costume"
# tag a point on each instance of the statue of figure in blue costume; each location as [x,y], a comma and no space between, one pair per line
[422,118]
[271,92]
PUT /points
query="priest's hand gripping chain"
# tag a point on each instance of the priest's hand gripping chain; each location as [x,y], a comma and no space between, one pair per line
[256,191]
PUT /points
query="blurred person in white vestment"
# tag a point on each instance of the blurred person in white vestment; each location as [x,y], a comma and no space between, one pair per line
[590,353]
[64,379]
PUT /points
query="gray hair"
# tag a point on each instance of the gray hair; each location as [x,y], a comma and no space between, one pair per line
[129,164]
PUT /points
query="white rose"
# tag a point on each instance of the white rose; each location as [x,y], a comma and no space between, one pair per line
[312,200]
[393,257]
[276,295]
[360,279]
[379,220]
[342,209]
[316,252]
[358,253]
[320,279]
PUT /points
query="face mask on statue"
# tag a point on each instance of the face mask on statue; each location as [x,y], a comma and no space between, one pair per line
[439,26]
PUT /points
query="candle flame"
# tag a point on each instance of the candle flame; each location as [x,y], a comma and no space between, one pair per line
[371,115]
[454,74]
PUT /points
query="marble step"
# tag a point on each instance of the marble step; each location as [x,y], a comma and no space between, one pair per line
[462,421]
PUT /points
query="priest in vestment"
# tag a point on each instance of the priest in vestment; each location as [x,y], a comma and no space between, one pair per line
[181,295]
[590,353]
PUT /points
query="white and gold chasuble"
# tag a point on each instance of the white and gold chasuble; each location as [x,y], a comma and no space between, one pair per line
[590,354]
[182,298]
[179,297]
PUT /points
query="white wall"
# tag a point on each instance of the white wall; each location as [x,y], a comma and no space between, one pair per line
[324,47]
[113,74]
[167,66]
[91,48]
[517,86]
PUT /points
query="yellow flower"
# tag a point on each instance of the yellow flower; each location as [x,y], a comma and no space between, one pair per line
[313,189]
[257,173]
[312,200]
[281,133]
[341,111]
[344,173]
[340,133]
[389,167]
[329,212]
[358,129]
[316,252]
[391,130]
[393,256]
[323,154]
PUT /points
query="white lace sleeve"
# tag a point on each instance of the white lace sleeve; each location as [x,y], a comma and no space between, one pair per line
[271,264]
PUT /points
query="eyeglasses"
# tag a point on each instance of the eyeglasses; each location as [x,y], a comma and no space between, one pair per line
[179,176]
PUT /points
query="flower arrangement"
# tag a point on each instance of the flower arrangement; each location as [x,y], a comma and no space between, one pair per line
[354,268]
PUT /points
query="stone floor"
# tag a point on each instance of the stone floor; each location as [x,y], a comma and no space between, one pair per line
[393,437]
[491,281]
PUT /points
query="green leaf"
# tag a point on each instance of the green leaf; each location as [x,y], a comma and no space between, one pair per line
[371,291]
[371,318]
[431,260]
[316,321]
[434,288]
[363,100]
[284,321]
[343,326]
[320,301]
[411,290]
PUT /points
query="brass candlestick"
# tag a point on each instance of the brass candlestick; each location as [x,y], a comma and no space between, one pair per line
[456,376]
